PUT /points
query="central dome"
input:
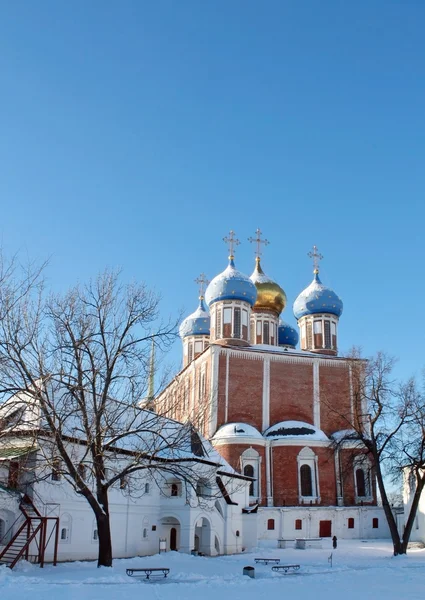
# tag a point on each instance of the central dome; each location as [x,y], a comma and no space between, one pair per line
[270,296]
[231,285]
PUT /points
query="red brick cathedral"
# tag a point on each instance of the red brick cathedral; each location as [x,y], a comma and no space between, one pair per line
[275,412]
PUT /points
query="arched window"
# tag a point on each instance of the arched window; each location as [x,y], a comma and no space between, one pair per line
[65,528]
[248,470]
[174,489]
[270,524]
[147,488]
[360,483]
[306,481]
[250,466]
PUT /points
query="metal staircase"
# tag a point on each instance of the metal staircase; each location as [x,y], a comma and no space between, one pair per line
[30,539]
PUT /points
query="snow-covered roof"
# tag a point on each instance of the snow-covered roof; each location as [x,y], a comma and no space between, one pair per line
[295,430]
[345,434]
[237,430]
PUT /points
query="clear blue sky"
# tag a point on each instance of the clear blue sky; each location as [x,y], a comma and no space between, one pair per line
[136,134]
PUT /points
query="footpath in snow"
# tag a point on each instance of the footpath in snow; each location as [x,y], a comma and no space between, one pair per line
[359,571]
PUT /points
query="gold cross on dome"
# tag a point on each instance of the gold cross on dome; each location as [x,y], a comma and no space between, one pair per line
[316,256]
[258,241]
[202,281]
[232,242]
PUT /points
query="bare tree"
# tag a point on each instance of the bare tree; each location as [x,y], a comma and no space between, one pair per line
[79,364]
[385,416]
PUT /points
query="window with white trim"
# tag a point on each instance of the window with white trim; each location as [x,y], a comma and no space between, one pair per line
[362,484]
[308,477]
[250,466]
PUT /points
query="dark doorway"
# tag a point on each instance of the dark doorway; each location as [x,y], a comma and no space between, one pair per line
[13,475]
[173,538]
[325,529]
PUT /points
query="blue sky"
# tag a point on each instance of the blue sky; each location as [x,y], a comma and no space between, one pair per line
[137,134]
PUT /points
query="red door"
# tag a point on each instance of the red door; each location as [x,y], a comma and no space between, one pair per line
[325,529]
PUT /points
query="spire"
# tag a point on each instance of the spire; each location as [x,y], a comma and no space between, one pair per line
[232,241]
[151,383]
[316,256]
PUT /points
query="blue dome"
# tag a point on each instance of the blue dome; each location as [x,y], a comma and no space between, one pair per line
[198,323]
[231,285]
[317,298]
[287,335]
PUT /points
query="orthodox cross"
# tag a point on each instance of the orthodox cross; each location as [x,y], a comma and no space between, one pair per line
[316,256]
[232,242]
[202,281]
[258,241]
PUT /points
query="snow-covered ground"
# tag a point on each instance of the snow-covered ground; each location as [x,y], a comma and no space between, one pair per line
[360,571]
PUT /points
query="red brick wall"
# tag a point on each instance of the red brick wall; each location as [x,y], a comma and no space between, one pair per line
[246,391]
[233,452]
[285,475]
[335,404]
[291,392]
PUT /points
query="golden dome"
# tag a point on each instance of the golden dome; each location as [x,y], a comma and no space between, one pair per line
[270,295]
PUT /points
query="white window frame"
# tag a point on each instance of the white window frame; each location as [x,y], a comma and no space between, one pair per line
[362,463]
[252,457]
[307,457]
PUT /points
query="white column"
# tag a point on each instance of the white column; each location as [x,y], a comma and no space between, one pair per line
[226,404]
[268,475]
[215,359]
[266,393]
[339,496]
[316,393]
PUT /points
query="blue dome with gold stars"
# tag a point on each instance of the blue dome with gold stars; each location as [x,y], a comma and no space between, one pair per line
[287,335]
[231,285]
[317,298]
[198,323]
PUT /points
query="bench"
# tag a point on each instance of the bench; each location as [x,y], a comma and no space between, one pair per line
[266,561]
[286,568]
[303,543]
[148,572]
[283,542]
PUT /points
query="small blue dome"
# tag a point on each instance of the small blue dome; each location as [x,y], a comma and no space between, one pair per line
[231,285]
[317,298]
[287,335]
[198,323]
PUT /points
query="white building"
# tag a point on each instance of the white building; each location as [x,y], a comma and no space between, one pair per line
[206,514]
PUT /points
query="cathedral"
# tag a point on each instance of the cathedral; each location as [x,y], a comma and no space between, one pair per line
[276,402]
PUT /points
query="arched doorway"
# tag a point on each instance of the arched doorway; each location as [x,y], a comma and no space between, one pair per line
[173,538]
[202,538]
[170,530]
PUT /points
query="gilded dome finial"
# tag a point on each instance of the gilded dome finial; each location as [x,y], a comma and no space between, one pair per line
[202,281]
[232,241]
[316,256]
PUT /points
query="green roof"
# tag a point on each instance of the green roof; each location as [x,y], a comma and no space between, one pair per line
[8,453]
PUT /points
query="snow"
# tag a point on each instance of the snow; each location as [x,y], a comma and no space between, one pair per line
[237,430]
[360,571]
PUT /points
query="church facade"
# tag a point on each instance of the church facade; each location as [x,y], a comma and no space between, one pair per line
[277,413]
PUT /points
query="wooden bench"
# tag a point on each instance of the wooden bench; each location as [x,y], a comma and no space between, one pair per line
[266,561]
[286,568]
[148,572]
[303,543]
[283,542]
